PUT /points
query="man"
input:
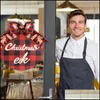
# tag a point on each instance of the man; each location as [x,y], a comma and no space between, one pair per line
[78,57]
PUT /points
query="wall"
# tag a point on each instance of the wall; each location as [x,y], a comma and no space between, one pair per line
[63,19]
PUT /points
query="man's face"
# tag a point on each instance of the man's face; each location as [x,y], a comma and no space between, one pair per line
[77,25]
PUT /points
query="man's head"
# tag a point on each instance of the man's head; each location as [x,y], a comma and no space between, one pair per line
[77,23]
[76,12]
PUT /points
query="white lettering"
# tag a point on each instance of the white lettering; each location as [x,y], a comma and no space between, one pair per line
[23,47]
[24,59]
[14,35]
[7,46]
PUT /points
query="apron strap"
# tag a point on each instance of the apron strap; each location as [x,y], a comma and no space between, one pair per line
[85,46]
[64,47]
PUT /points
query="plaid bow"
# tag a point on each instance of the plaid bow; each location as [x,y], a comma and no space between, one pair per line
[17,29]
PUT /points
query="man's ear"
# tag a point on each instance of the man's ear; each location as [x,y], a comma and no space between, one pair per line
[68,30]
[87,29]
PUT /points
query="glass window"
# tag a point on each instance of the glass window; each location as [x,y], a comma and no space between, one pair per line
[93,34]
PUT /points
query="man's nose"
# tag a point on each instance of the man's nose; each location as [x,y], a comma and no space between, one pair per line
[76,25]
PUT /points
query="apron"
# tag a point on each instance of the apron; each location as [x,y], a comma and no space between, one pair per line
[75,73]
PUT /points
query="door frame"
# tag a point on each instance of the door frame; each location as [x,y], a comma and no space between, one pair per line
[49,51]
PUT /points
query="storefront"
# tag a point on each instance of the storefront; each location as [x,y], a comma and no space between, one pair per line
[43,83]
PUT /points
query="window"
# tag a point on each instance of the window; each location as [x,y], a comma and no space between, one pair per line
[93,24]
[36,25]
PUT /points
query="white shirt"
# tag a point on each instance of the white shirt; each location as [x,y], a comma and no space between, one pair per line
[74,49]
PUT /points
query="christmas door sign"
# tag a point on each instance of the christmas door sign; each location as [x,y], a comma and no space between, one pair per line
[21,46]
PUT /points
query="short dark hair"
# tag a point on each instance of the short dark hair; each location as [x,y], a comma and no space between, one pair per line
[76,12]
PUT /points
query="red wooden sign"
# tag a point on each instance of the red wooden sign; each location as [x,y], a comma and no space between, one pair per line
[21,48]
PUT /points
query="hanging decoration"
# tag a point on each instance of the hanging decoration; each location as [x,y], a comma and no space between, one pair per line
[21,46]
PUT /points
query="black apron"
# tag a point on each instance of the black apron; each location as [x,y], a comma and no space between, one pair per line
[75,73]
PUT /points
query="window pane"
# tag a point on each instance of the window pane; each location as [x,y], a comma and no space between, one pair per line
[93,34]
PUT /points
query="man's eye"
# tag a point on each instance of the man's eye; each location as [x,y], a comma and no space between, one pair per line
[72,22]
[81,22]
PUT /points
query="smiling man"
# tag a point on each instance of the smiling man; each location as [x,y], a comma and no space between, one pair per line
[78,57]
